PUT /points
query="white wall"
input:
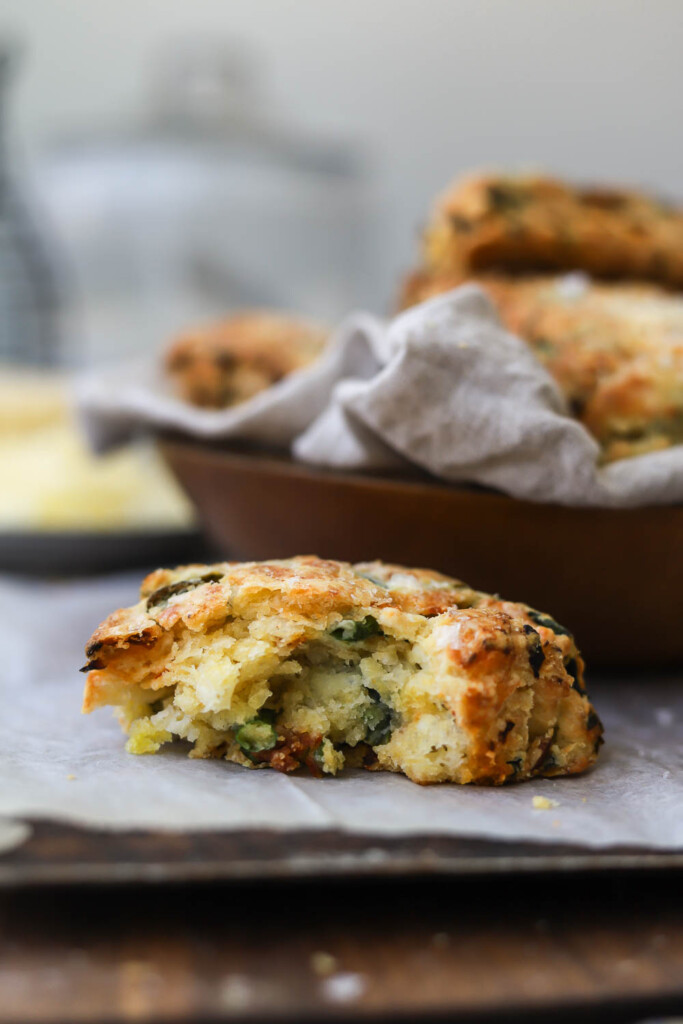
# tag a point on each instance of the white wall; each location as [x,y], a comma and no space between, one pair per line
[593,88]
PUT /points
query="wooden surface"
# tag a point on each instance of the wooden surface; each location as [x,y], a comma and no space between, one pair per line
[595,570]
[576,948]
[62,854]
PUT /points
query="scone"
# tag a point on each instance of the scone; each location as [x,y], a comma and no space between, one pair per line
[616,350]
[506,222]
[231,361]
[314,663]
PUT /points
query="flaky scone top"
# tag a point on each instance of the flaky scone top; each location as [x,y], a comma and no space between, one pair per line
[199,595]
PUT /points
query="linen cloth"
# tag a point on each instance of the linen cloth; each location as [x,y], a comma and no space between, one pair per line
[442,386]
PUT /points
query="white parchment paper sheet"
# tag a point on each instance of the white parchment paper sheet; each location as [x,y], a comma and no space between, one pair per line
[634,795]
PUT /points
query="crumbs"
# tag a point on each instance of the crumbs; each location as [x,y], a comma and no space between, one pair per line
[544,803]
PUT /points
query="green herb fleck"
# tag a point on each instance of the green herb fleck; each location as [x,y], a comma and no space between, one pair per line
[503,198]
[159,599]
[256,735]
[543,345]
[373,579]
[592,720]
[351,630]
[318,756]
[547,622]
[535,648]
[378,718]
[460,223]
[572,669]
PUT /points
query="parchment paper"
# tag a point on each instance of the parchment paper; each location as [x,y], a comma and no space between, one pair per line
[58,764]
[442,387]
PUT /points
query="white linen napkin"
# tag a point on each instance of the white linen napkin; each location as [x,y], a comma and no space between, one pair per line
[442,386]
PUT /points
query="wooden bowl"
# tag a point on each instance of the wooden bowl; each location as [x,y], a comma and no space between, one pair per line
[613,577]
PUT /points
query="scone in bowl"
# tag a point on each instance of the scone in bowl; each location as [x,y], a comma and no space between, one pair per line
[612,576]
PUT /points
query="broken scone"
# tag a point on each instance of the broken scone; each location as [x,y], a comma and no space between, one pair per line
[307,662]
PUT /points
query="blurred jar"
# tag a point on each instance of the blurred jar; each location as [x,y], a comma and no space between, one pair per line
[28,291]
[203,207]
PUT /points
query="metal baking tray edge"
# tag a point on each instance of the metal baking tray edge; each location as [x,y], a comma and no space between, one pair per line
[59,854]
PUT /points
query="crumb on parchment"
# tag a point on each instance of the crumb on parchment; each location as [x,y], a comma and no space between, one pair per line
[544,803]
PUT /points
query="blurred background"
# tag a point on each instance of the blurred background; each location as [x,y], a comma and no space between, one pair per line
[162,162]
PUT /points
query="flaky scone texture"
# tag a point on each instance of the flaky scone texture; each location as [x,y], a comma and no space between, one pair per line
[228,362]
[616,350]
[315,663]
[507,222]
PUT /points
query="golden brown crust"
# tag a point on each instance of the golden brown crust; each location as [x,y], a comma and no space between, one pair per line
[616,350]
[515,223]
[123,627]
[231,361]
[313,587]
[459,668]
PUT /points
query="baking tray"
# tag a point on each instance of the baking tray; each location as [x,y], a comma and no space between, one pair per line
[58,854]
